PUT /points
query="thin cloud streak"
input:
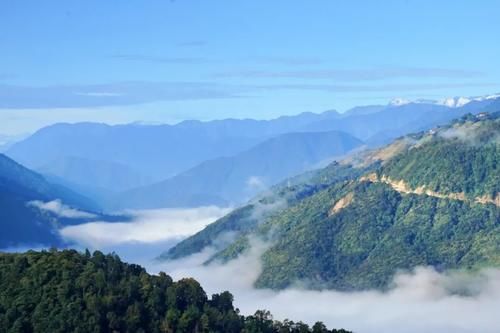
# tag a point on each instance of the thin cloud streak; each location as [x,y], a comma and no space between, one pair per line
[356,74]
[141,92]
[160,59]
[58,208]
[370,88]
[110,94]
[288,61]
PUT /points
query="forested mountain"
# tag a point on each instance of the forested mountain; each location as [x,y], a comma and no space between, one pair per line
[107,161]
[235,179]
[427,199]
[71,292]
[22,223]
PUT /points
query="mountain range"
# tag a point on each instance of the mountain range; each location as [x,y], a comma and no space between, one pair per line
[427,199]
[119,165]
[227,181]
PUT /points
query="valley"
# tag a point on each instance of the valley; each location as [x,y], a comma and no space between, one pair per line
[253,166]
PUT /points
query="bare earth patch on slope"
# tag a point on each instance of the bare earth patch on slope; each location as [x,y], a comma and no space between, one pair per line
[342,203]
[402,187]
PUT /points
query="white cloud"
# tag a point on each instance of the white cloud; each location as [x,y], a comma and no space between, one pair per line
[420,301]
[468,133]
[149,226]
[61,210]
[256,183]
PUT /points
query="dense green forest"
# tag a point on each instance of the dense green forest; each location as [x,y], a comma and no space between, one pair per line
[67,291]
[356,232]
[462,157]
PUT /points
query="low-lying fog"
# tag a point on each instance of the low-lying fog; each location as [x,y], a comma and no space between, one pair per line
[421,301]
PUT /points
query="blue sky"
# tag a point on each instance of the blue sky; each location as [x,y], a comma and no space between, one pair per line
[165,61]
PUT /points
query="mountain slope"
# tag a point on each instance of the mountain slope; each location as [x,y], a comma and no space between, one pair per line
[22,223]
[246,218]
[430,199]
[230,180]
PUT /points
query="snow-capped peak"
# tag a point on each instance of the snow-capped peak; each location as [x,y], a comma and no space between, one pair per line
[454,102]
[451,102]
[488,97]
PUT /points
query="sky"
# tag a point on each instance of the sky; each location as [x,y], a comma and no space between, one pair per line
[166,61]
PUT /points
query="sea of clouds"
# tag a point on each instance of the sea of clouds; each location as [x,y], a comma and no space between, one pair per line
[422,300]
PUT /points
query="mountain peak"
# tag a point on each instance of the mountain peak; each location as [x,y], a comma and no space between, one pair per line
[451,102]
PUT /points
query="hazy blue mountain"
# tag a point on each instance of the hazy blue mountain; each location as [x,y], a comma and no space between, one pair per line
[108,175]
[362,110]
[21,223]
[101,160]
[381,124]
[126,156]
[235,179]
[6,141]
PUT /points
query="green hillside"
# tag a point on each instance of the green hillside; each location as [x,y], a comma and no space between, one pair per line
[430,199]
[246,218]
[72,292]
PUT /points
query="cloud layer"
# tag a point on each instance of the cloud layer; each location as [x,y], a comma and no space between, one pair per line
[152,226]
[420,301]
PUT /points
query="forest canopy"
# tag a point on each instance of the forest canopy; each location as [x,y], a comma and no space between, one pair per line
[67,291]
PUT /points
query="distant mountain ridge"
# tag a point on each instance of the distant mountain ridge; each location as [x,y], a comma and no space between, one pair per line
[232,180]
[108,162]
[149,153]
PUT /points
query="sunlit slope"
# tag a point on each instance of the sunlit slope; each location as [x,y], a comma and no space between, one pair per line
[432,199]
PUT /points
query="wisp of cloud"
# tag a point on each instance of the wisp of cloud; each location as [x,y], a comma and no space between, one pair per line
[58,208]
